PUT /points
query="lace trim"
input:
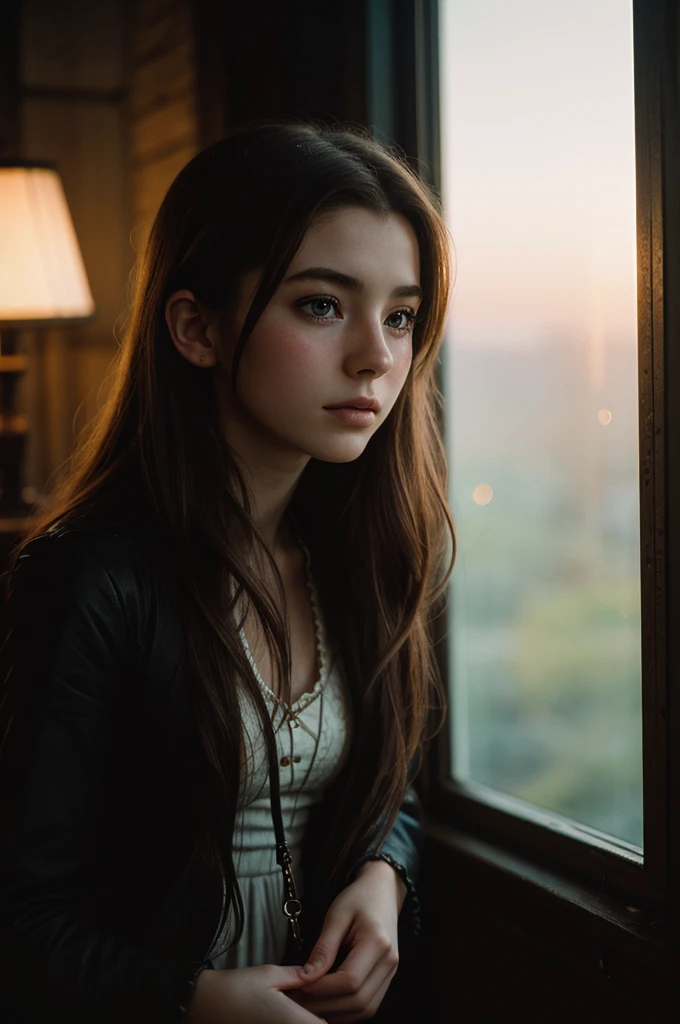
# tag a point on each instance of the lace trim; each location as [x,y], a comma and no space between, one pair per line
[305,699]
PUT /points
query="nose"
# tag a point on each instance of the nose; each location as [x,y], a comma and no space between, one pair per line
[371,349]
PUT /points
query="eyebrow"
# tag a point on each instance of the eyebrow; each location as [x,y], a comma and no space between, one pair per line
[352,284]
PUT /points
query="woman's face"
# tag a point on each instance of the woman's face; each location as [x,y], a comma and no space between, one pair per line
[322,341]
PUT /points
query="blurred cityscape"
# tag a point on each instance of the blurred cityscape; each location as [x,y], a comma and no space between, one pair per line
[545,595]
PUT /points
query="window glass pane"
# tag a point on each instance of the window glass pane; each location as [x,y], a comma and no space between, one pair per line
[538,184]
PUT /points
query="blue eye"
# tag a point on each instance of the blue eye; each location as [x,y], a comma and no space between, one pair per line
[321,300]
[333,303]
[410,319]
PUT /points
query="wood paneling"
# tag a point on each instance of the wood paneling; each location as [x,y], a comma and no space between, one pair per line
[72,111]
[9,79]
[163,118]
[71,44]
[108,93]
[479,969]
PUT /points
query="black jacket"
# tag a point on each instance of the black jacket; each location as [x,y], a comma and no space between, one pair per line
[105,912]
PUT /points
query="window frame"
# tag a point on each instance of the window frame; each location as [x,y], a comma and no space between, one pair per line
[478,831]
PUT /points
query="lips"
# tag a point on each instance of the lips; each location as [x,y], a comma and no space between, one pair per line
[363,402]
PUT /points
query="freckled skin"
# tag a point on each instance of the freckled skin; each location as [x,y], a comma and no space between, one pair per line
[293,365]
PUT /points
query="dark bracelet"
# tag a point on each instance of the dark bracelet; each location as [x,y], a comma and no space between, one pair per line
[412,901]
[188,990]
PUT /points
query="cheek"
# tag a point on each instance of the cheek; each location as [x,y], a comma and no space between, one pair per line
[402,366]
[283,368]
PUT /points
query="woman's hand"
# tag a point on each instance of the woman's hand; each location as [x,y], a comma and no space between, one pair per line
[248,995]
[361,921]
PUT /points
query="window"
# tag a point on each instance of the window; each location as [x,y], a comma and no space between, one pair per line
[538,185]
[553,797]
[541,127]
[596,808]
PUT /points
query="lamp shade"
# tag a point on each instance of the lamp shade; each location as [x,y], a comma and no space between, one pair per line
[42,276]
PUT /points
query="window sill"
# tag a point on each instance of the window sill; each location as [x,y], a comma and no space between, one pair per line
[621,939]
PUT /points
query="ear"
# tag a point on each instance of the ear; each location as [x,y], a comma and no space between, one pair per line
[192,328]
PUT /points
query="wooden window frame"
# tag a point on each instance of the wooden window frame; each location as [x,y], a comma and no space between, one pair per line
[623,909]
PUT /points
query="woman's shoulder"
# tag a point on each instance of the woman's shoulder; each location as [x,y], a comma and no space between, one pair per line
[84,538]
[89,554]
[98,582]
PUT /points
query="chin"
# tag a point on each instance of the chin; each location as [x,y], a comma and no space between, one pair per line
[346,453]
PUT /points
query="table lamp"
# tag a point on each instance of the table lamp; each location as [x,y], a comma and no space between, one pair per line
[42,282]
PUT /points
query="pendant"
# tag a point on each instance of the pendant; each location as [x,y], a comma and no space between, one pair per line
[298,723]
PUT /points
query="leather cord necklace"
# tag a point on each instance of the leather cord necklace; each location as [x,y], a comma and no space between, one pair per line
[292,907]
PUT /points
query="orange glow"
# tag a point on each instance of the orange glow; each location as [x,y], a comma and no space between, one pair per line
[42,275]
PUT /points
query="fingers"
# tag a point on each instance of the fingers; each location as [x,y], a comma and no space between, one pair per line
[346,992]
[354,998]
[291,1012]
[289,977]
[254,993]
[325,949]
[363,1010]
[355,970]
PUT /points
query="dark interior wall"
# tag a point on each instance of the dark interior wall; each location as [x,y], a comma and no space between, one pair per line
[120,95]
[9,78]
[163,104]
[68,94]
[108,93]
[298,59]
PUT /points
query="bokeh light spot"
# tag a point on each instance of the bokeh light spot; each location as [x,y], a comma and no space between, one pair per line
[482,494]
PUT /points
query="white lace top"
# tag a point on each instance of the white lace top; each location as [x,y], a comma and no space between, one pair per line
[303,779]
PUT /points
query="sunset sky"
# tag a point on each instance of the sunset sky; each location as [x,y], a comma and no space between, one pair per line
[538,169]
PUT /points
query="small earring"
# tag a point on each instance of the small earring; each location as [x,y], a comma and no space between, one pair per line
[201,358]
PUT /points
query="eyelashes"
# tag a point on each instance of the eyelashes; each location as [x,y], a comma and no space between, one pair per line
[411,317]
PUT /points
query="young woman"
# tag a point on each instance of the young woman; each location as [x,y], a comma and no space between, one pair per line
[217,660]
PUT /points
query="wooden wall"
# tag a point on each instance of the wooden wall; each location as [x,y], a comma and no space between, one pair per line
[163,115]
[106,91]
[72,94]
[120,94]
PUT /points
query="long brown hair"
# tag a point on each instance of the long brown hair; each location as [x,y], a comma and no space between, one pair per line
[378,528]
